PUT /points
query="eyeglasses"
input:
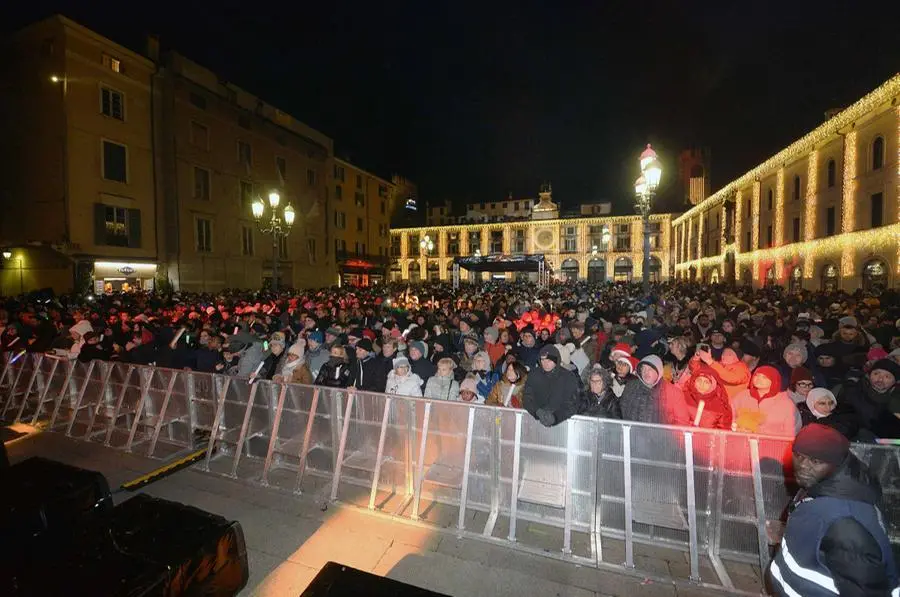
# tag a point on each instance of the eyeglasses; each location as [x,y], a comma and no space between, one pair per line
[804,384]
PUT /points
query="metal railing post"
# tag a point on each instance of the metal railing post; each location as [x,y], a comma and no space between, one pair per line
[467,460]
[243,435]
[276,423]
[217,420]
[760,505]
[495,477]
[514,499]
[162,413]
[629,505]
[12,393]
[345,429]
[420,465]
[70,368]
[118,407]
[380,454]
[145,391]
[304,451]
[570,470]
[42,393]
[691,504]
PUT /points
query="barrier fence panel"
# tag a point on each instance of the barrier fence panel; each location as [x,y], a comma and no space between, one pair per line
[590,490]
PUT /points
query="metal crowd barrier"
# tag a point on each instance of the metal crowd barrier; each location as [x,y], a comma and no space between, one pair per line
[588,490]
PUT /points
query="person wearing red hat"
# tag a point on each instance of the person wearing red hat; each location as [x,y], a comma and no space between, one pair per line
[624,371]
[834,542]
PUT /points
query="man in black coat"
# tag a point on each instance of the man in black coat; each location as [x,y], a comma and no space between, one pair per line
[551,391]
[365,368]
[875,398]
[834,542]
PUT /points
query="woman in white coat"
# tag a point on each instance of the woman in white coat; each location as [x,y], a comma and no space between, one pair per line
[402,381]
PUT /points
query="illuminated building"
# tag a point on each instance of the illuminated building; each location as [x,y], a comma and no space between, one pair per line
[361,207]
[580,248]
[822,213]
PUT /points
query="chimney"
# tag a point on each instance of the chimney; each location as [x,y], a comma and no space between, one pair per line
[153,47]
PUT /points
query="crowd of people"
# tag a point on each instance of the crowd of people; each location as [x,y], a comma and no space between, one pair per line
[753,360]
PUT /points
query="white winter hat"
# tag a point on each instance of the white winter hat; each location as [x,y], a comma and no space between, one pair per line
[82,327]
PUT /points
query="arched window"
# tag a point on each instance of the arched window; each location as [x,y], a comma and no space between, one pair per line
[832,173]
[622,270]
[655,269]
[874,275]
[796,281]
[770,195]
[829,277]
[569,270]
[877,153]
[796,188]
[597,271]
[414,273]
[770,276]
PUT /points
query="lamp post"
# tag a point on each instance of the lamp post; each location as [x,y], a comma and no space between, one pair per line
[277,226]
[645,189]
[426,246]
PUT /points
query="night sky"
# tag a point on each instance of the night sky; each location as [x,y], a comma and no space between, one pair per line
[475,100]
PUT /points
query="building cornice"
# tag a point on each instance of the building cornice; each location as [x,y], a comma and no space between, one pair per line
[534,223]
[845,119]
[366,172]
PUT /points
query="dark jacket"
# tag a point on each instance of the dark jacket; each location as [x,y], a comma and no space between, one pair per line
[527,355]
[551,397]
[423,368]
[605,404]
[381,367]
[843,418]
[871,408]
[365,374]
[91,352]
[835,530]
[334,374]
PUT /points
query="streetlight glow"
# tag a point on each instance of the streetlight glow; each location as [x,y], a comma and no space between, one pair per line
[54,79]
[289,214]
[645,188]
[258,207]
[274,199]
[652,174]
[7,254]
[640,186]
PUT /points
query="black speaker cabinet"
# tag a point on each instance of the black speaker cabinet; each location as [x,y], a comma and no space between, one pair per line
[338,580]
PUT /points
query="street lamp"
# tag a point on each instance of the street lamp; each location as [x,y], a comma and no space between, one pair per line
[426,246]
[645,189]
[7,256]
[277,226]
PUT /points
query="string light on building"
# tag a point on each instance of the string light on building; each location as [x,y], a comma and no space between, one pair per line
[812,188]
[848,211]
[739,218]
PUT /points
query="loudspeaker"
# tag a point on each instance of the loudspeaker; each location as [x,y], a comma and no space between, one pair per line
[145,547]
[338,580]
[42,496]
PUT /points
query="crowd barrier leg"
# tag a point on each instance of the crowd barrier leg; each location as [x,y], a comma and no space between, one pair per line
[420,463]
[715,529]
[597,514]
[12,390]
[336,427]
[67,387]
[63,390]
[495,478]
[276,423]
[107,371]
[147,374]
[760,505]
[217,420]
[35,372]
[245,425]
[102,404]
[42,391]
[514,502]
[162,415]
[304,451]
[144,381]
[467,461]
[691,504]
[629,505]
[570,470]
[409,473]
[380,454]
[339,462]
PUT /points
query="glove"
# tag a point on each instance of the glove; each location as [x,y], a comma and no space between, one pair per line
[546,417]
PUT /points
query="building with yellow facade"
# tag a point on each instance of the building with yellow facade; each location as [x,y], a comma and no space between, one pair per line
[820,214]
[77,176]
[581,248]
[361,206]
[124,170]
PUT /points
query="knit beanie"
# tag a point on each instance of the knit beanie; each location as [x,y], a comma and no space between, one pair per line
[401,362]
[551,353]
[420,346]
[800,374]
[491,334]
[887,365]
[798,348]
[823,443]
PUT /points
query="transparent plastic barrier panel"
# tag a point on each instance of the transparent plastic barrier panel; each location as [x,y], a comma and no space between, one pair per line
[230,412]
[170,423]
[121,386]
[286,448]
[49,375]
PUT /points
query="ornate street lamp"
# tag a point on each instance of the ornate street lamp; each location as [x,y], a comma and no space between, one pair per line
[279,226]
[645,189]
[426,246]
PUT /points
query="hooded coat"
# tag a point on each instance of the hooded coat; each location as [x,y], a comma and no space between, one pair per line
[772,413]
[551,397]
[500,391]
[716,412]
[660,403]
[734,377]
[408,385]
